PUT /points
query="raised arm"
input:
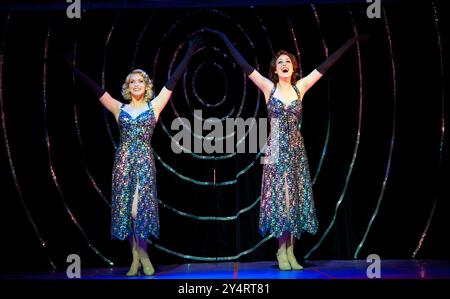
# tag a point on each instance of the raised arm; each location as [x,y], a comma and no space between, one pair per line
[264,84]
[307,82]
[111,104]
[164,95]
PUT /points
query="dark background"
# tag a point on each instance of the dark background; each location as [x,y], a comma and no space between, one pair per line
[34,104]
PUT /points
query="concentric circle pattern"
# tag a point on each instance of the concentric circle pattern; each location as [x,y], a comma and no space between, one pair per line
[366,130]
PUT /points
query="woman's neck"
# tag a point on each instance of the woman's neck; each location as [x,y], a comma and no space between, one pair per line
[137,103]
[284,84]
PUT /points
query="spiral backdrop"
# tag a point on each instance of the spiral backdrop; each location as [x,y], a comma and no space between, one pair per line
[374,128]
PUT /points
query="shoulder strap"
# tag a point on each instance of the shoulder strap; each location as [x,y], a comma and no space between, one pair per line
[297,91]
[150,107]
[272,91]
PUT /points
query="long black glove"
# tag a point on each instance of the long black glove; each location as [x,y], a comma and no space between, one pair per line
[247,68]
[90,84]
[176,75]
[338,53]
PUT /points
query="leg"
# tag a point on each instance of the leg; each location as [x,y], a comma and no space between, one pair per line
[290,238]
[283,262]
[135,265]
[141,244]
[135,202]
[290,254]
[143,257]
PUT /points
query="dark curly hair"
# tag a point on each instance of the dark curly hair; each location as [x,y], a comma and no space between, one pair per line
[273,66]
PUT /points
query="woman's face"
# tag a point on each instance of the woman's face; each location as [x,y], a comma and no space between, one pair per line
[137,86]
[284,67]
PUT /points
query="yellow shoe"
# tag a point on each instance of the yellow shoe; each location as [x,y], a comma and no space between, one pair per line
[292,260]
[283,262]
[134,269]
[147,266]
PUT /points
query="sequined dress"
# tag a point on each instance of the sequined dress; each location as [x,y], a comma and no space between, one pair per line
[287,176]
[134,165]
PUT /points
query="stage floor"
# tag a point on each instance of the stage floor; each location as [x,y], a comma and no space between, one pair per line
[313,270]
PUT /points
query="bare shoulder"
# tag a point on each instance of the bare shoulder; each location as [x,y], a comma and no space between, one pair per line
[111,104]
[300,85]
[305,83]
[263,83]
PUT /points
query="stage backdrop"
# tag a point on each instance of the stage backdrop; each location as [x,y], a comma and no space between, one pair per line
[373,128]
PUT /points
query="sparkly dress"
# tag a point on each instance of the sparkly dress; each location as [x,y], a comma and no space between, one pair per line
[134,166]
[286,179]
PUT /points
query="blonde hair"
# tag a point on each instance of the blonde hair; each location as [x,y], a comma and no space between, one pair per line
[148,86]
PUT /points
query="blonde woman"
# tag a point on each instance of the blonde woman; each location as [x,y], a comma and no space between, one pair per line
[134,213]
